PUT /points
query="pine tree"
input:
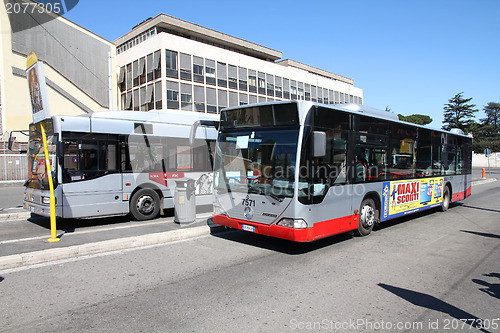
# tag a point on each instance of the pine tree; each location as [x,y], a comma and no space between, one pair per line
[492,111]
[459,114]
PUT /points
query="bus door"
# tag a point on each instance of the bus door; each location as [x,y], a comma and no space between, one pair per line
[92,181]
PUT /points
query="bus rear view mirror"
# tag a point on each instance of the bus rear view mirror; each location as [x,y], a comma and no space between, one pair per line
[12,138]
[319,144]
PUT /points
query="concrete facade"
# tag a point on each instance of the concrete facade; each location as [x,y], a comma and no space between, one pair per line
[75,64]
[167,63]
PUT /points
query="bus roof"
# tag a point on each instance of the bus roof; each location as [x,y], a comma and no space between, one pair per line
[351,108]
[154,116]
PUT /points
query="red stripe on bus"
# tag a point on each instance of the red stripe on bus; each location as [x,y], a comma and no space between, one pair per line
[318,231]
[457,196]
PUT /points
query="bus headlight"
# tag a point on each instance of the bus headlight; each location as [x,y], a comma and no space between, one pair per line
[46,200]
[292,223]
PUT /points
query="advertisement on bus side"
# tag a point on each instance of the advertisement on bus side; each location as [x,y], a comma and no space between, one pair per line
[408,196]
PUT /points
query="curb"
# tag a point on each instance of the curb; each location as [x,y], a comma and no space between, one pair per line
[483,181]
[38,257]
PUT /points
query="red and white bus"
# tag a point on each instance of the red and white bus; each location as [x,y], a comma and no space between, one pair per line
[304,171]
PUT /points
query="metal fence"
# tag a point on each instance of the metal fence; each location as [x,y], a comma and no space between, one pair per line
[13,167]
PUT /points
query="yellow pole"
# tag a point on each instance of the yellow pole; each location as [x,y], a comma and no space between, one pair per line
[53,229]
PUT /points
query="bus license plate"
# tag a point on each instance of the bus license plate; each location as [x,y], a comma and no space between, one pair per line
[247,228]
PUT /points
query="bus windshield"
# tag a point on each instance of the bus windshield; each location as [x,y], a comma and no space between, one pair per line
[37,170]
[258,160]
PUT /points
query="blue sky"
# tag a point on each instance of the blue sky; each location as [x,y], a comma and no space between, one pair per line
[409,55]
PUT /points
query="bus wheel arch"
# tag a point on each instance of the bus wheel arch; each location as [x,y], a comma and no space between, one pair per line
[145,203]
[447,195]
[369,213]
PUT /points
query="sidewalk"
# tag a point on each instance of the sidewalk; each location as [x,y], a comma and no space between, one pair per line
[31,247]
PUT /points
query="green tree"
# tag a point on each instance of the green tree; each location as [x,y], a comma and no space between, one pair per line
[419,119]
[487,132]
[492,111]
[459,114]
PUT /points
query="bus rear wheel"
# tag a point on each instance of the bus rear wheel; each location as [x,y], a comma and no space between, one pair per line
[367,217]
[145,205]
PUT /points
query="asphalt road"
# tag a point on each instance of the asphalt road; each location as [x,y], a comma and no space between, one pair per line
[11,196]
[424,273]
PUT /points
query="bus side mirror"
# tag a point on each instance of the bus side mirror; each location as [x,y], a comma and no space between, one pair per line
[319,144]
[60,149]
[12,138]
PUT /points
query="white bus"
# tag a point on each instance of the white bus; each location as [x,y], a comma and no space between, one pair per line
[119,162]
[303,171]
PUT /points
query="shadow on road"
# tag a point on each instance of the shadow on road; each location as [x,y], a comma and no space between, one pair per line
[433,303]
[277,244]
[492,289]
[484,234]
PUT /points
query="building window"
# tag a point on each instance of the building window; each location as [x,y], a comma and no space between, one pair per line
[135,100]
[286,88]
[307,92]
[222,99]
[320,95]
[129,76]
[277,87]
[171,63]
[210,71]
[172,95]
[199,98]
[293,89]
[243,99]
[341,100]
[121,79]
[243,78]
[158,96]
[252,99]
[300,91]
[262,82]
[252,81]
[135,72]
[185,66]
[186,97]
[332,100]
[270,85]
[211,100]
[150,97]
[157,64]
[198,75]
[142,70]
[149,67]
[233,99]
[313,94]
[221,74]
[232,73]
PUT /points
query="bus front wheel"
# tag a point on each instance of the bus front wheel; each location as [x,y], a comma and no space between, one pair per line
[446,199]
[367,217]
[145,205]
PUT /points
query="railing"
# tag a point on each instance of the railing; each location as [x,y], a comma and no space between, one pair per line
[13,167]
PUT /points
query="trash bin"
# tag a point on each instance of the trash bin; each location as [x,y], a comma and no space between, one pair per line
[185,201]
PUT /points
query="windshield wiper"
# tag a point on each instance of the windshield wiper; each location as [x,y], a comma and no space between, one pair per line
[260,190]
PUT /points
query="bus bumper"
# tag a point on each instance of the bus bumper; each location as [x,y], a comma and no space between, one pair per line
[296,235]
[318,231]
[39,209]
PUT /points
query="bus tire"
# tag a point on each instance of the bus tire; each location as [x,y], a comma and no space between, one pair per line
[446,199]
[367,217]
[145,204]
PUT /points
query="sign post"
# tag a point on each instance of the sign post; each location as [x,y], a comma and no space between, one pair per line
[40,109]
